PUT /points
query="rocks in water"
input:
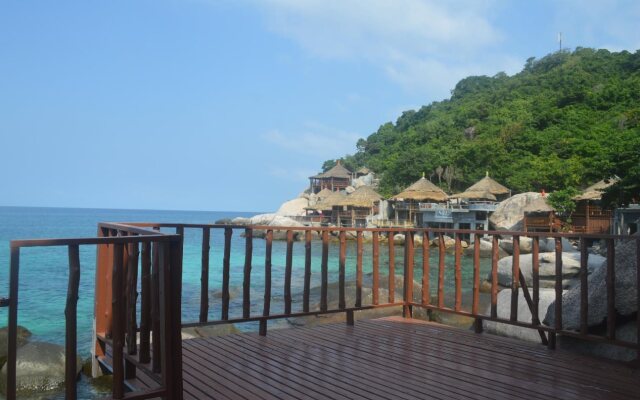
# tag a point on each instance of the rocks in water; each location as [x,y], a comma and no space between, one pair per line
[545,245]
[625,290]
[547,268]
[40,367]
[509,214]
[272,220]
[449,242]
[547,297]
[23,336]
[293,208]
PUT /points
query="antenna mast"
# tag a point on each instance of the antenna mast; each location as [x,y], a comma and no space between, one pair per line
[560,40]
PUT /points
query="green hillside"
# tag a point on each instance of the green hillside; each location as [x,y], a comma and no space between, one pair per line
[566,120]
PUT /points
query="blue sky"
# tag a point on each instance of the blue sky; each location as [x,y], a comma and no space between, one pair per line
[231,105]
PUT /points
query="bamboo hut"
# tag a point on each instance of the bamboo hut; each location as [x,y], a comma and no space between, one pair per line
[354,209]
[406,204]
[486,189]
[335,179]
[323,209]
[590,216]
[540,217]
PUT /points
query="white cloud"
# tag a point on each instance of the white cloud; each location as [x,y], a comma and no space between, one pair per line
[314,139]
[424,45]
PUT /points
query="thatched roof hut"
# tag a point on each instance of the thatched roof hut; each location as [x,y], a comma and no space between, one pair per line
[486,189]
[594,192]
[422,190]
[328,202]
[323,194]
[538,206]
[363,197]
[338,171]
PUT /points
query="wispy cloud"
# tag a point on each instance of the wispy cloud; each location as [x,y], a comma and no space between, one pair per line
[424,45]
[314,139]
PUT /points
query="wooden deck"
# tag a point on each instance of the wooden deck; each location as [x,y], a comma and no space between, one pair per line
[394,358]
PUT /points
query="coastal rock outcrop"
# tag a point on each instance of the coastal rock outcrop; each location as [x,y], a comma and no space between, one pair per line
[40,367]
[547,296]
[625,290]
[293,208]
[509,214]
[547,268]
[272,220]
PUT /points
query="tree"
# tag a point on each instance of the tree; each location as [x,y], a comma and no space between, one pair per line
[562,201]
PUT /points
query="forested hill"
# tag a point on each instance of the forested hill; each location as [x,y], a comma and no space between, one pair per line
[566,120]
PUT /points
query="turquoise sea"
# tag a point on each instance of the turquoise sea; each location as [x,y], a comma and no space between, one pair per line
[44,271]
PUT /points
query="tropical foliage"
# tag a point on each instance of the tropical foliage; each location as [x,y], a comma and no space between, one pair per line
[565,121]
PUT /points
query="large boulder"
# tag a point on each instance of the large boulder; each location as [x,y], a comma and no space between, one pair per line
[545,245]
[626,332]
[272,220]
[293,208]
[625,290]
[509,214]
[39,368]
[547,297]
[23,336]
[547,268]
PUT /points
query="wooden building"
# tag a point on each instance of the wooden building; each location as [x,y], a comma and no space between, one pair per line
[590,216]
[540,217]
[322,211]
[354,209]
[336,178]
[406,204]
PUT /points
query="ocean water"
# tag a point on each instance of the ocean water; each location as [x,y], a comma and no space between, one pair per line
[44,271]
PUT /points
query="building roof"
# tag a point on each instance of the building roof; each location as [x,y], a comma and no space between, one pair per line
[487,184]
[476,195]
[324,193]
[539,205]
[594,192]
[364,196]
[338,171]
[328,202]
[422,190]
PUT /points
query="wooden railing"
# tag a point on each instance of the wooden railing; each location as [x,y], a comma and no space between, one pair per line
[116,296]
[157,353]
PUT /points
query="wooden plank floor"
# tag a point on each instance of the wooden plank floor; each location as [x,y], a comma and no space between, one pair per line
[394,358]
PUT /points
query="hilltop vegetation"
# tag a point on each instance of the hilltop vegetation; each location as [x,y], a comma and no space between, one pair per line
[565,121]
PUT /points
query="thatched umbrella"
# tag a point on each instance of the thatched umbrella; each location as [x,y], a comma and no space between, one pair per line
[594,192]
[481,189]
[362,197]
[422,190]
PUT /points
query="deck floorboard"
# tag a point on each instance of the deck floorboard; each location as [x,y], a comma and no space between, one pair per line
[394,358]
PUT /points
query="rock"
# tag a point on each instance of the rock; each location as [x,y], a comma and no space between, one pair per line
[23,336]
[40,367]
[625,290]
[545,245]
[547,296]
[485,249]
[625,332]
[293,208]
[485,287]
[547,268]
[509,214]
[449,242]
[272,220]
[349,189]
[398,239]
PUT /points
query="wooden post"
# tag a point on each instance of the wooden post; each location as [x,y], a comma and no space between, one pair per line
[204,275]
[102,300]
[392,268]
[324,270]
[515,276]
[584,287]
[246,282]
[307,271]
[71,316]
[267,282]
[287,273]
[407,309]
[494,276]
[376,267]
[611,290]
[341,270]
[558,287]
[226,266]
[145,303]
[117,330]
[155,307]
[426,291]
[441,255]
[458,272]
[359,252]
